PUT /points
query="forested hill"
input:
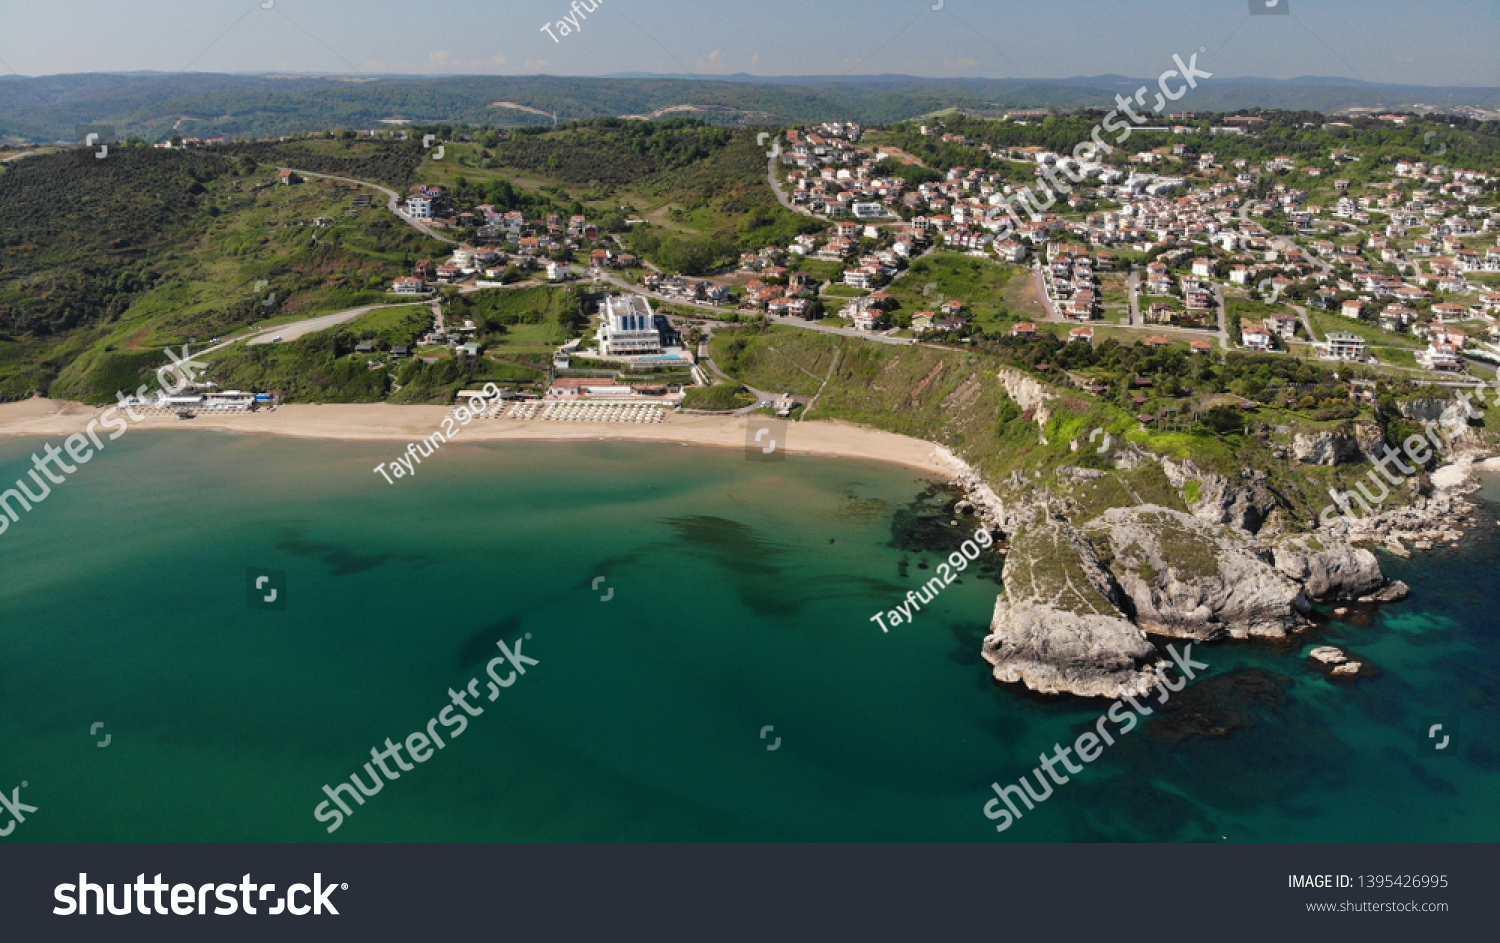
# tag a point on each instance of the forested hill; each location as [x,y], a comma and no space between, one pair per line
[81,236]
[77,233]
[155,106]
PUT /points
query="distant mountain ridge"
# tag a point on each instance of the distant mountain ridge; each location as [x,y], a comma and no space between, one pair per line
[156,105]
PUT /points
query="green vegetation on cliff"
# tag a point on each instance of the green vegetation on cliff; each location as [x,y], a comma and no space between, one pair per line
[957,398]
[721,397]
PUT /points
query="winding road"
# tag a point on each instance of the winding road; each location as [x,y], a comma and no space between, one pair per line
[771,160]
[291,331]
[393,201]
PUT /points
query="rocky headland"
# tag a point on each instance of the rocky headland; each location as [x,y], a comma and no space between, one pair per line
[1091,589]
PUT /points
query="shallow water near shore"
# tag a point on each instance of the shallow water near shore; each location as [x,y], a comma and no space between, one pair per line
[735,596]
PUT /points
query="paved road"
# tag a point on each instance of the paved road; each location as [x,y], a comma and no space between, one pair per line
[393,201]
[706,360]
[1046,296]
[781,197]
[1132,289]
[296,329]
[1306,322]
[1223,317]
[845,331]
[1282,243]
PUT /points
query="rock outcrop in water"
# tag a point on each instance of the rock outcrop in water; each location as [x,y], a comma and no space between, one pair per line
[1336,572]
[1101,560]
[1057,628]
[1080,602]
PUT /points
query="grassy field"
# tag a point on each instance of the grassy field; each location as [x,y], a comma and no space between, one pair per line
[844,291]
[978,283]
[1022,296]
[822,271]
[400,325]
[522,321]
[1325,324]
[722,397]
[1128,335]
[783,359]
[951,397]
[1396,357]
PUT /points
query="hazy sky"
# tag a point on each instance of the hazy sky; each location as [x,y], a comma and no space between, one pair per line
[1426,42]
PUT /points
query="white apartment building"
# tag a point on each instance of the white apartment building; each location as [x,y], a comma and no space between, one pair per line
[628,328]
[1341,345]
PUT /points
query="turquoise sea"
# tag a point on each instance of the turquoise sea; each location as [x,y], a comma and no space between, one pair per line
[736,596]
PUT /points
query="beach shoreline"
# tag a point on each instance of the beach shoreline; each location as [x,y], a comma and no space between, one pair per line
[48,418]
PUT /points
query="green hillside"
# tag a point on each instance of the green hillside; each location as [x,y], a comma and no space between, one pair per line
[103,259]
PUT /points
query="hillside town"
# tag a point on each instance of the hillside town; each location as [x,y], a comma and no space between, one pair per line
[1172,246]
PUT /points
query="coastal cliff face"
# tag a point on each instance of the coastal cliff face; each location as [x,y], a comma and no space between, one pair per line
[1324,448]
[1333,573]
[995,512]
[1079,603]
[1356,441]
[1438,410]
[1244,503]
[1029,393]
[1457,419]
[1057,628]
[1186,578]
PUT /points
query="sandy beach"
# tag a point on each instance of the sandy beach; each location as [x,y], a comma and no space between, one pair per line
[47,418]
